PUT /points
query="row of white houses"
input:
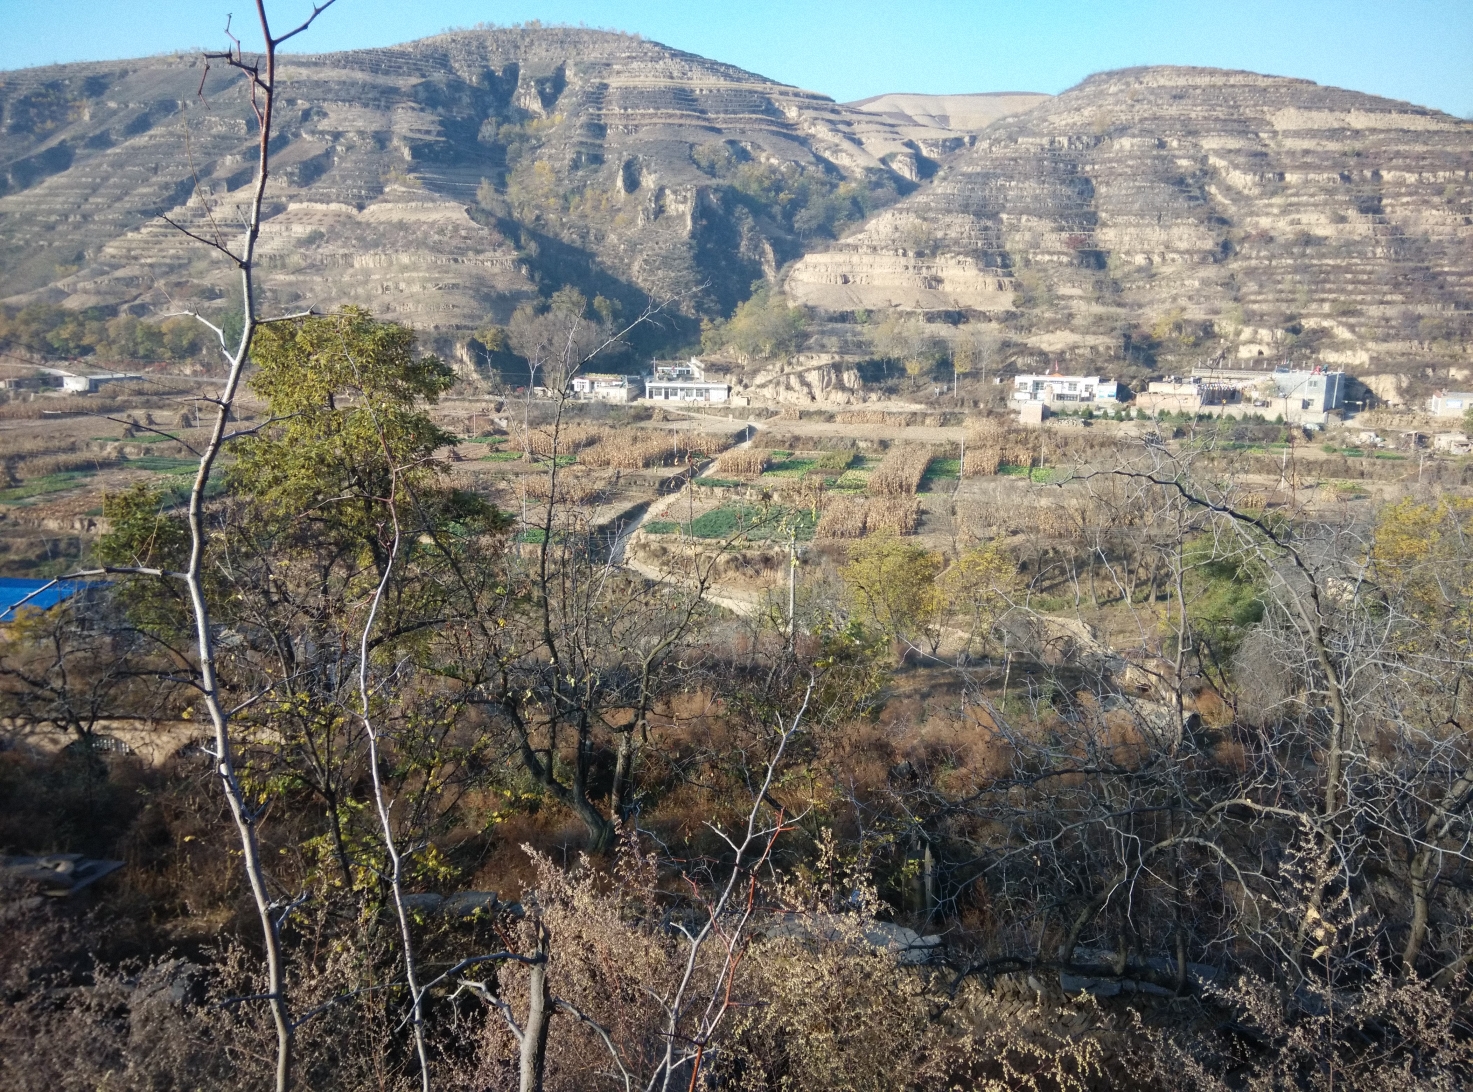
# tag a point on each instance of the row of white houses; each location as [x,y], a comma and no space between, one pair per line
[669,383]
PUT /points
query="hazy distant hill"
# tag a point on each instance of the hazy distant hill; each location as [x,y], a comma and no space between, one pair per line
[444,181]
[961,113]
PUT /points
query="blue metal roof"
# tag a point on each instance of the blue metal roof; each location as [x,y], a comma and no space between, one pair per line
[13,590]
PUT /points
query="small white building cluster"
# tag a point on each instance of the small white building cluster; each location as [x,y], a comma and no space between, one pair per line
[602,387]
[1304,397]
[670,383]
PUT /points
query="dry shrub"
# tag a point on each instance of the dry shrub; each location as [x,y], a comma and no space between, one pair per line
[746,462]
[76,1025]
[837,1013]
[1383,1034]
[900,471]
[846,517]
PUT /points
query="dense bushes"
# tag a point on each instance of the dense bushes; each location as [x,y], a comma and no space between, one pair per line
[57,332]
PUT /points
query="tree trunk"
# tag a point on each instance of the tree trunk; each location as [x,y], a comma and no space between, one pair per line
[623,773]
[539,1011]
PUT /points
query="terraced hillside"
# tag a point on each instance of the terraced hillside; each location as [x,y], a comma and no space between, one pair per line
[1188,205]
[1150,215]
[437,182]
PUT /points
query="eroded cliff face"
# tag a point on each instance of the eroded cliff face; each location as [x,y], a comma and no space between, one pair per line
[440,182]
[1271,214]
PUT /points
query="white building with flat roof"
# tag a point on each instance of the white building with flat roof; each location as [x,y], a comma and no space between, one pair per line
[1060,389]
[603,387]
[85,384]
[684,383]
[1450,403]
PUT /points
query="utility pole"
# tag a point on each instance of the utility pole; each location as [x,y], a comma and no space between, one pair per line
[792,583]
[690,492]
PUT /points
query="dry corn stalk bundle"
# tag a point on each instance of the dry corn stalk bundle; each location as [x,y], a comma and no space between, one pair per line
[742,462]
[846,517]
[989,449]
[900,471]
[572,487]
[625,452]
[875,417]
[897,515]
[37,445]
[704,443]
[843,517]
[1055,523]
[569,438]
[37,466]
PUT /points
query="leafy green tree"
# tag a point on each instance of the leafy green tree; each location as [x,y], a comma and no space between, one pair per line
[763,326]
[976,588]
[892,589]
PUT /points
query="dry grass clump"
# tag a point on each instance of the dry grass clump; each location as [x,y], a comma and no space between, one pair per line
[745,462]
[569,438]
[626,451]
[988,449]
[900,471]
[847,517]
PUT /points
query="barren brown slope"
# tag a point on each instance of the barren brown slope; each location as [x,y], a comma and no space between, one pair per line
[1286,215]
[588,141]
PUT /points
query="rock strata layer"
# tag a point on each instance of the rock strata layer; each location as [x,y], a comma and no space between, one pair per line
[1183,203]
[439,182]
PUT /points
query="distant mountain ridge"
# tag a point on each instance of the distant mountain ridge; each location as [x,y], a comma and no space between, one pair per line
[438,182]
[445,181]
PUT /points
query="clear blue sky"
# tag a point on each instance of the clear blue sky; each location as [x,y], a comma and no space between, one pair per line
[1419,50]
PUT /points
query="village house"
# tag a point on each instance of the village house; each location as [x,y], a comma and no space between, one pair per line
[1300,397]
[603,387]
[684,383]
[1056,390]
[1450,403]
